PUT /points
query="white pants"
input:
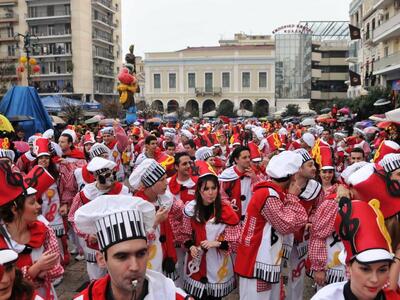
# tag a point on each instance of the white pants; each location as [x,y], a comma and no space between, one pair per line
[248,290]
[297,271]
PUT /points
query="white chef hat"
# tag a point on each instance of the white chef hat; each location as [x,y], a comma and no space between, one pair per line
[115,218]
[49,133]
[71,133]
[352,169]
[98,149]
[309,139]
[107,130]
[7,153]
[187,133]
[390,162]
[304,154]
[148,172]
[258,132]
[100,165]
[7,256]
[204,153]
[284,164]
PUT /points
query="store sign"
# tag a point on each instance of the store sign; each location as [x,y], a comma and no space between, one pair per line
[293,28]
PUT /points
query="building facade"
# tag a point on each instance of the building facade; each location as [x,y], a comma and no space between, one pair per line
[78,45]
[238,73]
[376,56]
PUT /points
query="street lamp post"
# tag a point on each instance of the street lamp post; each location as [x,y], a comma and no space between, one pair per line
[30,42]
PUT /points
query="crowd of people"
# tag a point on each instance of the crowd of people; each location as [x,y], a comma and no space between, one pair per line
[202,209]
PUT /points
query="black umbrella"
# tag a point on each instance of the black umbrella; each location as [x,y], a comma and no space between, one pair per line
[20,118]
[325,110]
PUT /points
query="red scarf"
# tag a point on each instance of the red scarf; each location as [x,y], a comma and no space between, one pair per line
[87,176]
[38,235]
[228,217]
[75,153]
[111,145]
[177,188]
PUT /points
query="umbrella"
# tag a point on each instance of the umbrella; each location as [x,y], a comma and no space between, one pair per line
[107,122]
[393,115]
[345,111]
[325,110]
[20,118]
[210,114]
[57,120]
[308,122]
[21,146]
[154,120]
[382,102]
[224,119]
[370,130]
[5,124]
[95,119]
[327,120]
[377,117]
[244,113]
[386,124]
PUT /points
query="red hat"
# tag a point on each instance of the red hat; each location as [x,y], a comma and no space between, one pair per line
[41,147]
[362,229]
[371,185]
[274,142]
[235,140]
[323,157]
[204,168]
[12,184]
[255,154]
[135,131]
[88,138]
[386,147]
[40,179]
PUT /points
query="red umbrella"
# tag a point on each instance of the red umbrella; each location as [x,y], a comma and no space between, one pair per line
[345,111]
[326,120]
[21,146]
[386,124]
[224,119]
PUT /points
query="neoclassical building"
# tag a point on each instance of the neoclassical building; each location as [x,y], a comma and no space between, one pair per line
[200,79]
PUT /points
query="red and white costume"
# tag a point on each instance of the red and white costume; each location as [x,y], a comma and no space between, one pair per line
[236,188]
[25,162]
[83,177]
[87,194]
[159,287]
[271,214]
[213,273]
[42,239]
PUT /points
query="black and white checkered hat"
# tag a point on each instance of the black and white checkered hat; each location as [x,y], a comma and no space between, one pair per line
[304,154]
[390,162]
[98,149]
[148,172]
[115,218]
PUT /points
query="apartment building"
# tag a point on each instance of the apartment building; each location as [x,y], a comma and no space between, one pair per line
[76,43]
[239,72]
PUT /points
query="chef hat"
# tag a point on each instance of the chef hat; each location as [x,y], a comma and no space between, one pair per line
[352,169]
[98,149]
[115,219]
[259,132]
[385,148]
[32,138]
[49,133]
[71,133]
[359,131]
[362,232]
[304,154]
[88,138]
[187,133]
[390,162]
[309,139]
[107,130]
[100,165]
[148,172]
[204,153]
[284,164]
[7,256]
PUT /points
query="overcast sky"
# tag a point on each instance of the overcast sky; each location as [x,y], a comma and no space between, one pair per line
[169,25]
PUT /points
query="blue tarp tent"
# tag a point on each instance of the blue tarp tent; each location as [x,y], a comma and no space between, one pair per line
[55,103]
[23,100]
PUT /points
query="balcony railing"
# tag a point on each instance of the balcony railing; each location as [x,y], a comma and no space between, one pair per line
[103,55]
[52,35]
[46,16]
[106,3]
[388,29]
[390,62]
[8,17]
[104,20]
[214,91]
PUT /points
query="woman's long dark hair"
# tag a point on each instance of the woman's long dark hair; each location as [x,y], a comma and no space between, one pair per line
[52,168]
[22,289]
[6,213]
[200,208]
